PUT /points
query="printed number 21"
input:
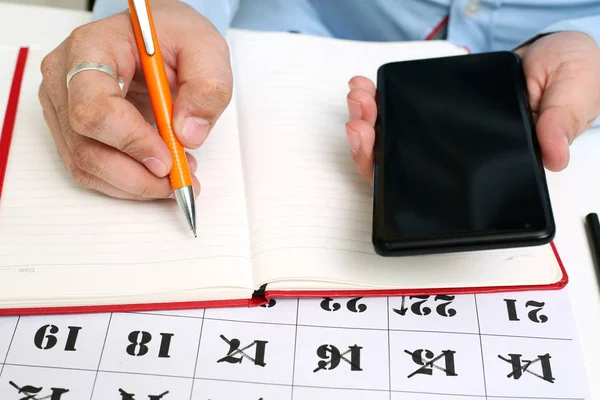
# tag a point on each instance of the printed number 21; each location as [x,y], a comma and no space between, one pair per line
[534,314]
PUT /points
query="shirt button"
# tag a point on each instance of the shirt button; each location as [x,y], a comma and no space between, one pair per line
[472,8]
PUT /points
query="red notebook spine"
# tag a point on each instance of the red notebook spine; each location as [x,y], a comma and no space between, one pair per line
[11,112]
[137,307]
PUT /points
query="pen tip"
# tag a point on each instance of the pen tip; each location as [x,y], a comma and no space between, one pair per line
[195,235]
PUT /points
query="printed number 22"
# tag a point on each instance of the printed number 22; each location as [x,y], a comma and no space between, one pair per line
[353,305]
[418,307]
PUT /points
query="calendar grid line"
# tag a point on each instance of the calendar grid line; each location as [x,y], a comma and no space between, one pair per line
[253,322]
[391,329]
[197,354]
[9,345]
[554,339]
[295,345]
[55,367]
[389,345]
[386,390]
[109,371]
[156,314]
[480,346]
[538,398]
[101,354]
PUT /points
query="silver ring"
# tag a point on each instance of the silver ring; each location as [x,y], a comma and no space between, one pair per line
[94,67]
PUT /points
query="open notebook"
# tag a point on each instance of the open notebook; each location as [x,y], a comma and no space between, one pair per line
[282,210]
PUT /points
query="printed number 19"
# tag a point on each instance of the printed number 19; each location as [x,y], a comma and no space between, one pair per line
[45,337]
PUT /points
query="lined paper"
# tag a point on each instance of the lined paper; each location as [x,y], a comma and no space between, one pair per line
[97,245]
[310,211]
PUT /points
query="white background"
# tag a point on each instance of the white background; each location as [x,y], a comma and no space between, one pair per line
[574,192]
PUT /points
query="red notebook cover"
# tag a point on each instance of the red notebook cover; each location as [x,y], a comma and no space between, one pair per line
[261,297]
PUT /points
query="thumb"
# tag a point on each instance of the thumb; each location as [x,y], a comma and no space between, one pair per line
[567,108]
[205,84]
[557,126]
[562,76]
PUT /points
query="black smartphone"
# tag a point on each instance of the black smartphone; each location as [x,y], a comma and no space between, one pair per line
[457,162]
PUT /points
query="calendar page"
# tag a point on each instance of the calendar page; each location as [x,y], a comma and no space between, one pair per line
[501,346]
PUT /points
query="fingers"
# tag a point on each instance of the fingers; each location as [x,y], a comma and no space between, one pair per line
[97,109]
[78,165]
[192,163]
[205,83]
[562,72]
[105,142]
[90,140]
[360,130]
[115,122]
[82,177]
[116,168]
[552,127]
[361,137]
[361,105]
[558,125]
[566,109]
[363,83]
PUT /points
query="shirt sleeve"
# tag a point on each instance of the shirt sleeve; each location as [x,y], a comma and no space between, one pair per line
[589,25]
[220,12]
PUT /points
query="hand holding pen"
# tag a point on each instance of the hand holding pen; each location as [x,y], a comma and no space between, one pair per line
[162,106]
[103,133]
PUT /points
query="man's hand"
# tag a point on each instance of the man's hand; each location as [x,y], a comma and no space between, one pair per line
[106,140]
[562,71]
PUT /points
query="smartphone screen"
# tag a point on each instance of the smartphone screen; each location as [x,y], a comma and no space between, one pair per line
[456,156]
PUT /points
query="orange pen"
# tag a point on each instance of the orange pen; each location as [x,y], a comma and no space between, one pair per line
[162,105]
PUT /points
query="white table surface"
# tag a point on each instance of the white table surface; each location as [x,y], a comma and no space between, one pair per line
[574,192]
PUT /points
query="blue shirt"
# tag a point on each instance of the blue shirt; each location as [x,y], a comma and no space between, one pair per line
[479,25]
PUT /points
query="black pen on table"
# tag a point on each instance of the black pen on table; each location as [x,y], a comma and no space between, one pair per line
[593,225]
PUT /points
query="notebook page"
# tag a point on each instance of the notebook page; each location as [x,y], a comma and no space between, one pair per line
[60,243]
[310,212]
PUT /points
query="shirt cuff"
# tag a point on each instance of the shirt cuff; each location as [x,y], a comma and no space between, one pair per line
[220,13]
[588,25]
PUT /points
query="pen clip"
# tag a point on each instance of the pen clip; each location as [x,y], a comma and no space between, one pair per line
[143,18]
